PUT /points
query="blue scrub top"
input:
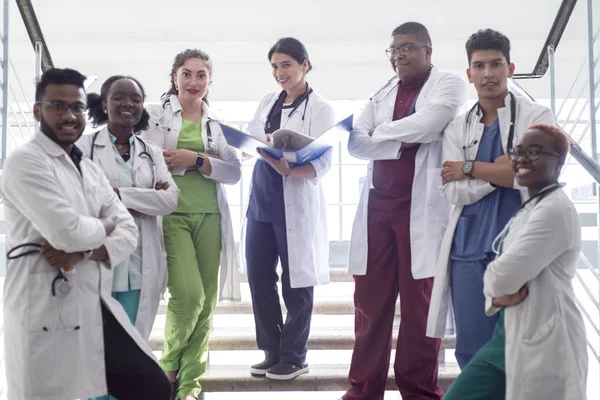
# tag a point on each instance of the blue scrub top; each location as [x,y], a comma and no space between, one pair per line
[266,203]
[482,222]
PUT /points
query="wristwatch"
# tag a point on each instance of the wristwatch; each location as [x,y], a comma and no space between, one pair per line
[467,168]
[199,160]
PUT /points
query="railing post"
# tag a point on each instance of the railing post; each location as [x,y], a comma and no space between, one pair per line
[39,48]
[552,80]
[592,79]
[4,82]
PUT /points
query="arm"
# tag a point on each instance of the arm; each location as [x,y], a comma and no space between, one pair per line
[462,191]
[547,234]
[151,201]
[31,187]
[498,173]
[428,122]
[227,168]
[122,241]
[361,144]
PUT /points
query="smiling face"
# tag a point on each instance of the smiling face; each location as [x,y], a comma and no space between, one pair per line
[192,80]
[541,172]
[58,121]
[124,103]
[489,72]
[412,57]
[288,73]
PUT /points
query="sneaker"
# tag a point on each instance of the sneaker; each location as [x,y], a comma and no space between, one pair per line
[260,369]
[286,371]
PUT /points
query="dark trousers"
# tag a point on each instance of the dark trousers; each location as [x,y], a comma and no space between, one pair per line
[473,327]
[265,244]
[130,373]
[389,274]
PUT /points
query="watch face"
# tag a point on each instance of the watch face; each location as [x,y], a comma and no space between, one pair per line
[199,160]
[467,167]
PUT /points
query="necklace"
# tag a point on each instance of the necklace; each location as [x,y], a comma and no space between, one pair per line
[121,145]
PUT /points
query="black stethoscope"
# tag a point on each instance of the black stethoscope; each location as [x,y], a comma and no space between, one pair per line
[60,286]
[278,106]
[511,133]
[144,155]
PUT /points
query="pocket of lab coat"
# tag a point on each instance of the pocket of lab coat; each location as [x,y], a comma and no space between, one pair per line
[46,310]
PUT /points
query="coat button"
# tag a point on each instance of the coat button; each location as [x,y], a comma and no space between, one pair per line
[169,129]
[157,124]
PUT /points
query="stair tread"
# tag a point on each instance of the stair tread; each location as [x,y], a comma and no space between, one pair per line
[224,378]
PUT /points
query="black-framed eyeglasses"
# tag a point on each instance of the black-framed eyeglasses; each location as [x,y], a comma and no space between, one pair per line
[532,153]
[60,107]
[404,50]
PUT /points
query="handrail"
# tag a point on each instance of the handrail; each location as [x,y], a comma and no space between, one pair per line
[35,31]
[558,28]
[587,162]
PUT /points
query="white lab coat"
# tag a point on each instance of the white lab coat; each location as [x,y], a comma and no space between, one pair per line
[470,191]
[439,101]
[546,355]
[152,203]
[47,198]
[305,205]
[165,125]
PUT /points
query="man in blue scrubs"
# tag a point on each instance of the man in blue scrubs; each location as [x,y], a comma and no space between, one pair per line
[477,178]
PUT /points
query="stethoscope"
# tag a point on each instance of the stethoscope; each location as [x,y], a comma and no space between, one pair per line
[388,83]
[211,146]
[476,107]
[60,286]
[498,244]
[144,155]
[278,106]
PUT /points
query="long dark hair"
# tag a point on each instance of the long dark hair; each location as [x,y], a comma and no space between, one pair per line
[293,48]
[179,60]
[96,111]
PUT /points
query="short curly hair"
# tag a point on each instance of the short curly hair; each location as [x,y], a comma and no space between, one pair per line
[560,138]
[488,39]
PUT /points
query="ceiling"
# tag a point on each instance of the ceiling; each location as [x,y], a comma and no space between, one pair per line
[345,39]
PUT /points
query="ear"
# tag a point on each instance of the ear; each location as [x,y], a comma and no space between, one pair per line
[104,107]
[37,112]
[305,66]
[428,52]
[469,75]
[511,70]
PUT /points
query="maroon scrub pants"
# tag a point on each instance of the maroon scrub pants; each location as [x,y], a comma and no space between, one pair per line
[389,274]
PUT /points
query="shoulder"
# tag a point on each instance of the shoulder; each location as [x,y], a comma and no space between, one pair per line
[156,110]
[317,101]
[535,110]
[268,98]
[457,124]
[24,157]
[445,77]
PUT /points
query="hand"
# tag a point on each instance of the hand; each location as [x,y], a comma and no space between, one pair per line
[135,213]
[59,259]
[281,165]
[503,159]
[511,299]
[452,171]
[116,190]
[109,225]
[268,136]
[161,186]
[371,132]
[180,158]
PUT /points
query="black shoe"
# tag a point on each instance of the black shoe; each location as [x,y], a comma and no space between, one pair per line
[260,369]
[285,371]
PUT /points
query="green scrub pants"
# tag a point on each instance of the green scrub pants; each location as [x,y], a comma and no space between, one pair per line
[484,377]
[193,245]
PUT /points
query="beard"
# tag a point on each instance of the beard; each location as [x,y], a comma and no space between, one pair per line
[49,131]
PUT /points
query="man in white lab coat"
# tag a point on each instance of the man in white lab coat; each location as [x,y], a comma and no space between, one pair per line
[400,219]
[65,336]
[477,179]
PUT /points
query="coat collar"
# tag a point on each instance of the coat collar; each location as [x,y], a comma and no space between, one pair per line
[207,113]
[49,146]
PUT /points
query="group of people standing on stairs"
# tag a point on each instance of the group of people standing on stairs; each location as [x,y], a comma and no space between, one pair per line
[140,205]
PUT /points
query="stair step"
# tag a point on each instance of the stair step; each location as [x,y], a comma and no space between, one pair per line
[237,332]
[322,377]
[333,299]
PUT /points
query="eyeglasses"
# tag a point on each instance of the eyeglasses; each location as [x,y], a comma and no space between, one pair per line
[60,107]
[404,50]
[532,153]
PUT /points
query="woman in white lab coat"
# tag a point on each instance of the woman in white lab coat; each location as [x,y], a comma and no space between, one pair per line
[538,350]
[139,176]
[286,218]
[199,234]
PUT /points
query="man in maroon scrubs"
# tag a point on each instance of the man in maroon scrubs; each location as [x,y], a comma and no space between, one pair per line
[400,219]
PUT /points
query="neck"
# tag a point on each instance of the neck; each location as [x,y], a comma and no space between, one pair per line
[532,191]
[191,106]
[295,92]
[67,148]
[490,106]
[121,132]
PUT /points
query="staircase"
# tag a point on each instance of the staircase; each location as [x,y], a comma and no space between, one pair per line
[233,348]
